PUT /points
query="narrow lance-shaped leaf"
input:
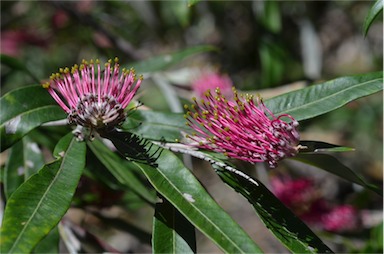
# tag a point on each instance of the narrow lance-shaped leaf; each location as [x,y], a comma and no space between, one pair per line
[319,146]
[23,110]
[289,229]
[38,204]
[25,159]
[334,166]
[321,98]
[156,125]
[13,171]
[373,13]
[178,185]
[172,232]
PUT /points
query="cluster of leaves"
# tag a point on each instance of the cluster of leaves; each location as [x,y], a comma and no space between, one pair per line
[38,197]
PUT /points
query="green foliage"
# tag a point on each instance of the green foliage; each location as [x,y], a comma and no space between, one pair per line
[172,232]
[38,204]
[373,13]
[321,98]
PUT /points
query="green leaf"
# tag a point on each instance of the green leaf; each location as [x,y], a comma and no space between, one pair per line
[25,159]
[50,243]
[39,203]
[268,13]
[289,229]
[322,98]
[334,166]
[17,65]
[179,186]
[121,169]
[156,125]
[172,232]
[159,63]
[319,146]
[13,175]
[373,13]
[23,110]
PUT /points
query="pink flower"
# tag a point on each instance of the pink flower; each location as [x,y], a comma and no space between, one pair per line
[211,80]
[341,219]
[94,98]
[242,129]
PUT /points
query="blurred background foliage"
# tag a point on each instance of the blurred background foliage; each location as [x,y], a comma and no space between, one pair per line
[260,45]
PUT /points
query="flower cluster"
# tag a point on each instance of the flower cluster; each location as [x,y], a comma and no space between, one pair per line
[241,128]
[94,97]
[306,201]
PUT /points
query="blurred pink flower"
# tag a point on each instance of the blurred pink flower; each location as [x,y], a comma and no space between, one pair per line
[212,80]
[305,200]
[92,97]
[341,219]
[242,128]
[300,195]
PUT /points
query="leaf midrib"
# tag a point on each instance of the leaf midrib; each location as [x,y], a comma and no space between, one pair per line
[41,200]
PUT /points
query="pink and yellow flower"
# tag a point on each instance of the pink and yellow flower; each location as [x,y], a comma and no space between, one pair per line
[242,129]
[94,97]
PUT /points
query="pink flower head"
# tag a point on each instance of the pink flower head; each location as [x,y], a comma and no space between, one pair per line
[211,80]
[301,196]
[242,128]
[93,97]
[341,219]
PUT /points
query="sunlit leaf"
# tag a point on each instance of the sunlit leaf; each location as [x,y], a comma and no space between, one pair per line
[39,203]
[23,110]
[156,125]
[289,229]
[373,13]
[334,166]
[321,98]
[172,233]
